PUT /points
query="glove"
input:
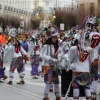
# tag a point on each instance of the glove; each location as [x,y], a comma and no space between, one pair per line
[60,60]
[95,63]
[54,60]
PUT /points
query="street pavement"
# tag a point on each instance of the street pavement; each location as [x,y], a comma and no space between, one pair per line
[32,90]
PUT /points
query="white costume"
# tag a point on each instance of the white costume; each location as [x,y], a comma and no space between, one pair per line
[80,66]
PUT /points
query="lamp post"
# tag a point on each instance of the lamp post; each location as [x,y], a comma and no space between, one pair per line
[56,4]
[77,5]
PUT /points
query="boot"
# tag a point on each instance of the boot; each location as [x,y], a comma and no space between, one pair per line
[21,82]
[58,98]
[5,77]
[92,99]
[51,90]
[1,81]
[95,98]
[10,82]
[35,77]
[46,99]
[38,74]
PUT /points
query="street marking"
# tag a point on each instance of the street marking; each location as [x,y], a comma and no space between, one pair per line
[22,91]
[35,83]
[38,84]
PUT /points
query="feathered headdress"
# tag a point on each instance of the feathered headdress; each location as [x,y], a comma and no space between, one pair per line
[12,32]
[35,34]
[92,20]
[51,30]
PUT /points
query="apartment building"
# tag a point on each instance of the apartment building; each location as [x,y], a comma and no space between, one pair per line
[16,6]
[88,6]
[51,4]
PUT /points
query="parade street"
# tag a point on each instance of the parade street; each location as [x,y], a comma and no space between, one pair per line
[32,90]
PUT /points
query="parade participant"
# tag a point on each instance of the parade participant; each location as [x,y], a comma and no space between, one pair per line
[14,54]
[99,66]
[3,39]
[49,55]
[77,35]
[43,63]
[99,69]
[25,46]
[1,61]
[62,51]
[80,59]
[2,47]
[34,54]
[94,38]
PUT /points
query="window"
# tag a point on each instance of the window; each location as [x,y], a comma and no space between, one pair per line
[64,8]
[17,10]
[8,8]
[0,6]
[72,9]
[92,8]
[5,7]
[11,9]
[82,9]
[14,9]
[51,8]
[47,3]
[21,11]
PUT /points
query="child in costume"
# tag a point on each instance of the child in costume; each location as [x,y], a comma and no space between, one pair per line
[1,60]
[34,54]
[14,54]
[49,55]
[25,46]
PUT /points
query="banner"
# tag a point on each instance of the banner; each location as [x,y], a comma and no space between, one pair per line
[62,26]
[22,24]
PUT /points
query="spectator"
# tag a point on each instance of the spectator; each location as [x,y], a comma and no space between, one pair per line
[25,46]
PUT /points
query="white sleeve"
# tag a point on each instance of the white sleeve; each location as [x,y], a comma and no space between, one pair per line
[43,53]
[31,48]
[90,36]
[24,52]
[91,54]
[60,53]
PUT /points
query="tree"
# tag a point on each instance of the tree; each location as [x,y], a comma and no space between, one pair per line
[66,17]
[34,23]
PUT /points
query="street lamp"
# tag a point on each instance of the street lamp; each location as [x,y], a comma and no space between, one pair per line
[44,21]
[37,14]
[21,17]
[54,16]
[49,21]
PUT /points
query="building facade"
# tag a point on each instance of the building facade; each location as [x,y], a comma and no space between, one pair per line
[69,4]
[16,6]
[89,6]
[24,8]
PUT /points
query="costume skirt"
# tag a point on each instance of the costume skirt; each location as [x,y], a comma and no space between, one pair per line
[94,73]
[35,60]
[17,63]
[50,76]
[82,79]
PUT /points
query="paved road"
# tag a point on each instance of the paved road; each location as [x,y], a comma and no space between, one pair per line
[32,90]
